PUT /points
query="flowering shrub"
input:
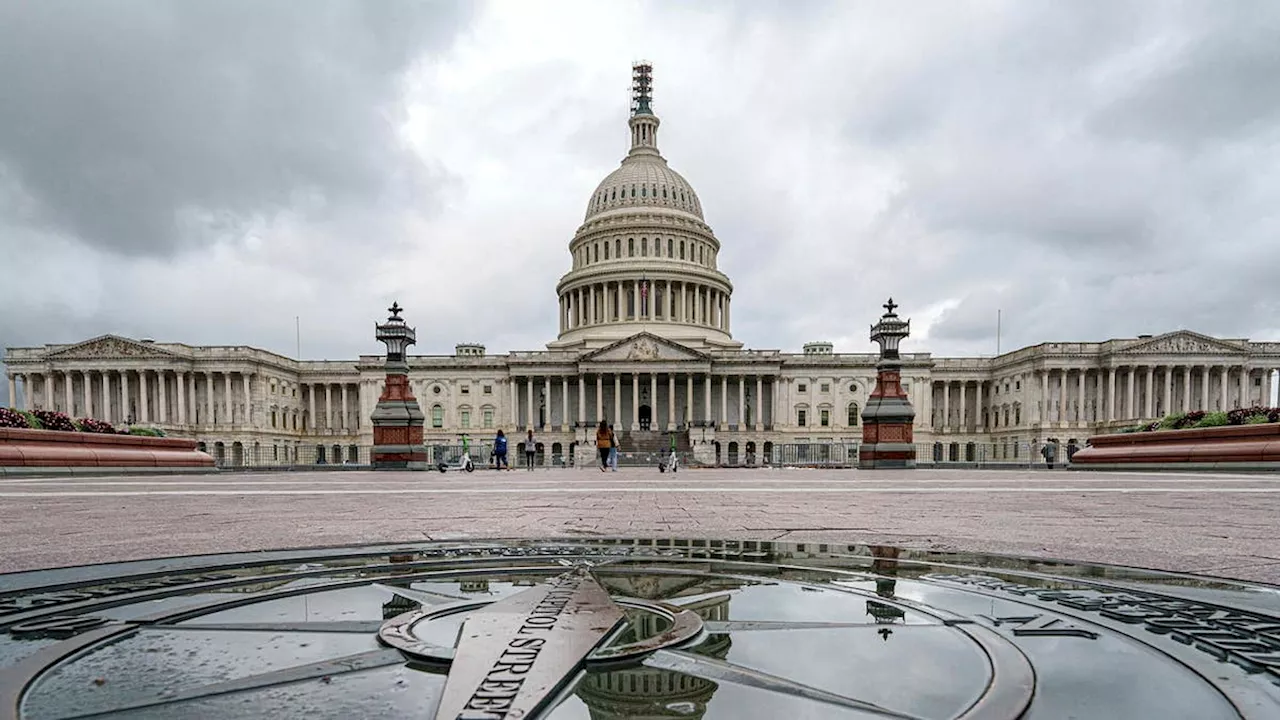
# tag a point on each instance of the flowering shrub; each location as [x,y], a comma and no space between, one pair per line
[12,419]
[91,425]
[1189,420]
[53,420]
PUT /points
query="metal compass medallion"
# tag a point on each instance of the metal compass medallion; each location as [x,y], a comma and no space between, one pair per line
[632,629]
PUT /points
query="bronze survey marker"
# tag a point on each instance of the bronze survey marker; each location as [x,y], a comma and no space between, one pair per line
[633,629]
[516,654]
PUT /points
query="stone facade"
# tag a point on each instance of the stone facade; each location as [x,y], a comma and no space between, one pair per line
[645,343]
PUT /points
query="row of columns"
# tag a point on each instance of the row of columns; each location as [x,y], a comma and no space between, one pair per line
[1111,394]
[533,400]
[179,397]
[623,300]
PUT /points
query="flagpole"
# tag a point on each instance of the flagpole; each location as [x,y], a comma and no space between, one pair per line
[998,331]
[297,330]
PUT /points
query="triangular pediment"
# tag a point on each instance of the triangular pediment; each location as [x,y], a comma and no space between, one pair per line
[1182,342]
[643,347]
[110,347]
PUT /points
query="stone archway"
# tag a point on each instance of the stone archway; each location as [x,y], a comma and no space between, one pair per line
[646,417]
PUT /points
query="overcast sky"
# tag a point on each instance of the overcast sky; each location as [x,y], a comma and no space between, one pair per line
[206,172]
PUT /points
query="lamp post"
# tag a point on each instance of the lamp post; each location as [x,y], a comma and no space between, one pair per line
[887,420]
[397,419]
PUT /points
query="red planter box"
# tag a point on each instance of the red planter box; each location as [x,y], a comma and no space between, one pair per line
[1242,444]
[54,448]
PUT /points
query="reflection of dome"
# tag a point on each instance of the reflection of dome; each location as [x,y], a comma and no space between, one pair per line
[642,692]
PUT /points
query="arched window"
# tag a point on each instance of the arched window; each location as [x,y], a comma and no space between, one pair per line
[853,414]
[437,416]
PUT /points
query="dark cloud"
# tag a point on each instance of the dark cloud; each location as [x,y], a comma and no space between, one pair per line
[144,127]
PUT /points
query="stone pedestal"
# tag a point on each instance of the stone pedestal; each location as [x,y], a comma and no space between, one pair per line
[397,425]
[887,438]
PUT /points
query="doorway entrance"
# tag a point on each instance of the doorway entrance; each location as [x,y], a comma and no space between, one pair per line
[646,417]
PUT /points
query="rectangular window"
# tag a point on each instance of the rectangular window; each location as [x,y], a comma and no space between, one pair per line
[466,418]
[800,418]
[437,416]
[671,247]
[488,389]
[466,390]
[825,418]
[488,418]
[825,387]
[802,388]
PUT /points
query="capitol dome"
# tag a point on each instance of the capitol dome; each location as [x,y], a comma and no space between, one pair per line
[644,258]
[644,180]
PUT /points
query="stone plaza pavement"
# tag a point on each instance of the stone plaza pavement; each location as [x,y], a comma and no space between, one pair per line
[1214,524]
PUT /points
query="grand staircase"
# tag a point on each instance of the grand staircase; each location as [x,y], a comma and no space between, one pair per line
[645,444]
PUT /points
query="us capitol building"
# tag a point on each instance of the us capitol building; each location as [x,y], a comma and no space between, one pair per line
[645,342]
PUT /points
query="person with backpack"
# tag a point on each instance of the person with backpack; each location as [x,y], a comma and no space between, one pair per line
[500,451]
[530,449]
[604,445]
[1050,452]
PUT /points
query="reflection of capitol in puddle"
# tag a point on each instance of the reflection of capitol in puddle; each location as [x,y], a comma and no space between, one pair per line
[640,693]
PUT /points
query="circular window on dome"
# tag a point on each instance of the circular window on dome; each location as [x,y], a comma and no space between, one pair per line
[436,389]
[853,388]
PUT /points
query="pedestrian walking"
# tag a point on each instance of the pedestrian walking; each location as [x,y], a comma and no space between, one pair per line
[530,449]
[613,450]
[1050,452]
[500,451]
[603,444]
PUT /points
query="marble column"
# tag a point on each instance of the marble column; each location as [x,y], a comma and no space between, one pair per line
[1226,392]
[724,403]
[1111,394]
[328,406]
[88,393]
[706,399]
[546,400]
[1186,388]
[13,391]
[742,402]
[247,380]
[1044,397]
[163,389]
[230,417]
[1204,388]
[1131,394]
[47,381]
[1168,390]
[314,424]
[617,400]
[1244,386]
[946,405]
[688,400]
[342,404]
[759,416]
[635,399]
[962,414]
[653,396]
[68,397]
[671,399]
[599,397]
[513,383]
[979,419]
[528,400]
[582,399]
[564,404]
[144,407]
[107,414]
[124,396]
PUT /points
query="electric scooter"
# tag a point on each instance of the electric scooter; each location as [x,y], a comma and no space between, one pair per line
[462,462]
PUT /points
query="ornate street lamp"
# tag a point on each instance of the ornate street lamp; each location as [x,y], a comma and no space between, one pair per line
[887,437]
[397,419]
